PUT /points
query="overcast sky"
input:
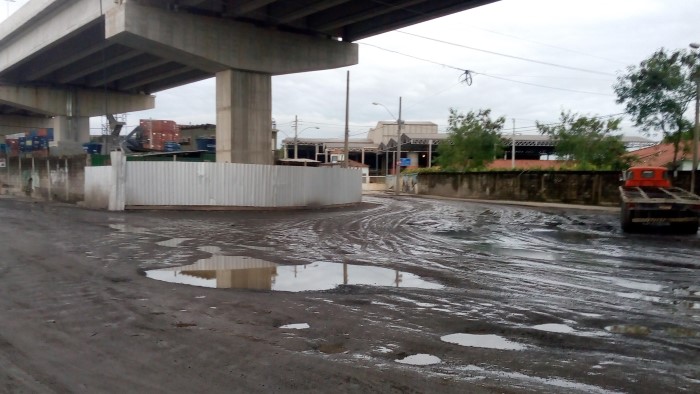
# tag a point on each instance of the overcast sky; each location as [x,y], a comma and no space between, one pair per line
[592,41]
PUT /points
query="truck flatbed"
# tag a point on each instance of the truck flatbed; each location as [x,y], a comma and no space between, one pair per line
[648,199]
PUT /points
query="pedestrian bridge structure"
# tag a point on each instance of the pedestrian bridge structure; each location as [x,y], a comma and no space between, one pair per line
[63,61]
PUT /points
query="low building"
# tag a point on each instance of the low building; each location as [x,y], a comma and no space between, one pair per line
[419,143]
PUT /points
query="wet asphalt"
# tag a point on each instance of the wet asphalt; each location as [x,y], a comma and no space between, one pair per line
[583,306]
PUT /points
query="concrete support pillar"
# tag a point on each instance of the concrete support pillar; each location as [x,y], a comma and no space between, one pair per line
[243,117]
[66,128]
[69,134]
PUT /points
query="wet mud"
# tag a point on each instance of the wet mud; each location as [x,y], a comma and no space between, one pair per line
[394,295]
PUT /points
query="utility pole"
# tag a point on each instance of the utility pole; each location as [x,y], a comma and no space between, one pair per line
[296,143]
[347,126]
[398,152]
[696,131]
[512,148]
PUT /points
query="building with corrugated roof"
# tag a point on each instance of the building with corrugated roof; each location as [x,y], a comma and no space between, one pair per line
[419,142]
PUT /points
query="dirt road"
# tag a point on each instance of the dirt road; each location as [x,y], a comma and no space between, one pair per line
[441,296]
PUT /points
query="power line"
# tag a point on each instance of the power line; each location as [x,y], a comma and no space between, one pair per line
[548,45]
[543,86]
[506,55]
[484,74]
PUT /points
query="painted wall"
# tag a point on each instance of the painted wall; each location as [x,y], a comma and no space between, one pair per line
[56,179]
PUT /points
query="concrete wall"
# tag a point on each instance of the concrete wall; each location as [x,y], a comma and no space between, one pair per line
[56,179]
[570,187]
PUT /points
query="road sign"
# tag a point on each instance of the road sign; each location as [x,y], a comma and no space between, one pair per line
[405,161]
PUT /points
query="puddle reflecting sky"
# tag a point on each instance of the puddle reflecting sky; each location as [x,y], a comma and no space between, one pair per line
[243,272]
[420,359]
[488,341]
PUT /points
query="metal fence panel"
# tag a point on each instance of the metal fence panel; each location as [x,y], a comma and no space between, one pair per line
[243,185]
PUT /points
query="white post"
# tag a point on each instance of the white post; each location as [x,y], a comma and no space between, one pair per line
[67,181]
[48,175]
[117,191]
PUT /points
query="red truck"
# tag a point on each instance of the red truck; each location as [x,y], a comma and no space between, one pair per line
[647,198]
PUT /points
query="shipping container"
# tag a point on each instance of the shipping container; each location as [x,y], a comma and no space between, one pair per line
[157,132]
[207,144]
[92,148]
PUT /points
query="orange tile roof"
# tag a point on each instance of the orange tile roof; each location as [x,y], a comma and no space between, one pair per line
[660,155]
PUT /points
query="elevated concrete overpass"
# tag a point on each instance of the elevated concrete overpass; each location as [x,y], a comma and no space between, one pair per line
[63,61]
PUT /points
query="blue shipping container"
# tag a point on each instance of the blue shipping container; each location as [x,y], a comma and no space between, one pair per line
[207,144]
[92,148]
[171,146]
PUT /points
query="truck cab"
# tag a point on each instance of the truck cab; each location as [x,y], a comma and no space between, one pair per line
[646,177]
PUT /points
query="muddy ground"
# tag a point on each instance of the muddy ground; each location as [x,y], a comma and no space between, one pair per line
[544,300]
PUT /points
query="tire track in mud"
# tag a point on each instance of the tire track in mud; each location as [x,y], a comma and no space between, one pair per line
[562,268]
[507,270]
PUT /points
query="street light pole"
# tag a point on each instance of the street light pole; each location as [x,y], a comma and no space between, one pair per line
[696,132]
[296,144]
[398,152]
[296,140]
[397,164]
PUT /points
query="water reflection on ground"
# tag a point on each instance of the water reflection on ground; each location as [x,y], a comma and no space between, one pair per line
[242,272]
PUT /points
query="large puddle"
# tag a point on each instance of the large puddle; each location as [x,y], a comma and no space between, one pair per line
[241,272]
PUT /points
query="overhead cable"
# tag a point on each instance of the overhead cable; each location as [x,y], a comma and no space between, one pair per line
[506,55]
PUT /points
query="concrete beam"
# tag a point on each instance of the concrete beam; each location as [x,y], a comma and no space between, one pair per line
[215,45]
[79,71]
[42,24]
[371,13]
[243,117]
[287,16]
[134,66]
[84,103]
[13,124]
[69,133]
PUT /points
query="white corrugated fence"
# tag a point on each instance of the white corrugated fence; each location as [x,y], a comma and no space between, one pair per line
[202,184]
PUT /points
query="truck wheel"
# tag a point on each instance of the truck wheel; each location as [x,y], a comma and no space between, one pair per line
[626,220]
[686,227]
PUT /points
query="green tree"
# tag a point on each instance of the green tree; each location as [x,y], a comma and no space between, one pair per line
[474,140]
[588,140]
[657,94]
